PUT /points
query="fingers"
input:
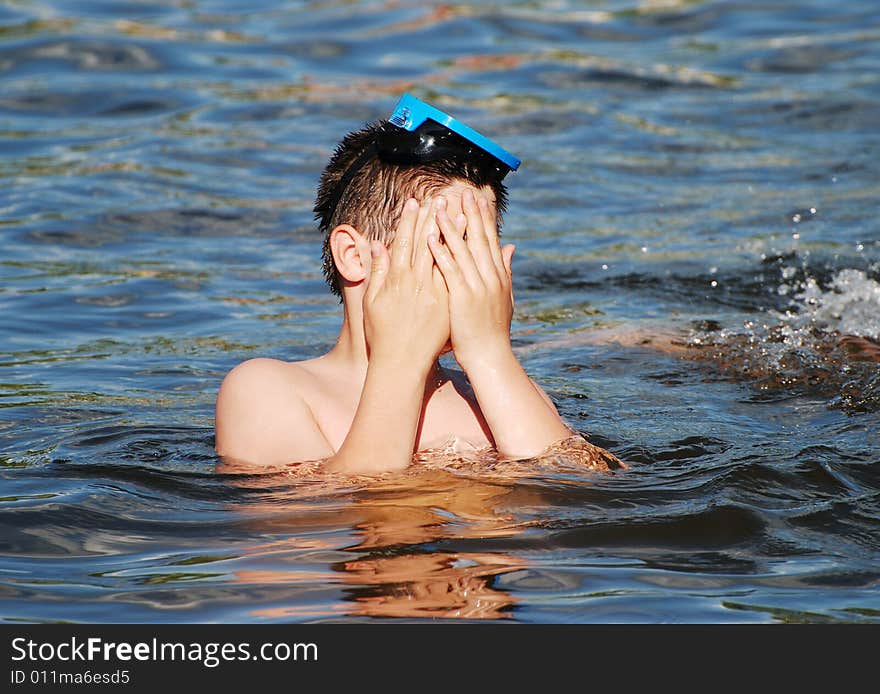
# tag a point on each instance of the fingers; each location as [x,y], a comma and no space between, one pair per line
[507,259]
[507,256]
[476,235]
[401,247]
[423,260]
[450,270]
[490,226]
[482,242]
[437,277]
[426,212]
[477,260]
[456,246]
[461,223]
[379,264]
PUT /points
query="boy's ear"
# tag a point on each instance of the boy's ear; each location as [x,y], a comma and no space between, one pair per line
[351,253]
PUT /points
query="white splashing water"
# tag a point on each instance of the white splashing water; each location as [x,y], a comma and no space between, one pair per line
[808,347]
[849,306]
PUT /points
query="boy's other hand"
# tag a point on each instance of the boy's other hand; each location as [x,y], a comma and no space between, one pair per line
[406,308]
[477,271]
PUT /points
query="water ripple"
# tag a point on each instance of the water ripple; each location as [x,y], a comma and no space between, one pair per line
[696,275]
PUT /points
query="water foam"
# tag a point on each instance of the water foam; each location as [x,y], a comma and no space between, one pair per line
[849,306]
[825,343]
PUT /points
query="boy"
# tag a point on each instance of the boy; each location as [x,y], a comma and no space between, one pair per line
[409,210]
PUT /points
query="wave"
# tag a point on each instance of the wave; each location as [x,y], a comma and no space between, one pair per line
[825,342]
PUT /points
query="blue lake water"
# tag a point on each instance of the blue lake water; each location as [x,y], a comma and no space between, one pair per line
[703,169]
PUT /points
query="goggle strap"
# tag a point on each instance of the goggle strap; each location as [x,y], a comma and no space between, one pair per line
[369,152]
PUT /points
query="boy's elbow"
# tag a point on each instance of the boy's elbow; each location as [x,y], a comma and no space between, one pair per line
[546,398]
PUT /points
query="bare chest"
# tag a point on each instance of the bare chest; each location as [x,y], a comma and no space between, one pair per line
[449,417]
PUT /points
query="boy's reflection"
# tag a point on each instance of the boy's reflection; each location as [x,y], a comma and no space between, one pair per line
[430,585]
[399,565]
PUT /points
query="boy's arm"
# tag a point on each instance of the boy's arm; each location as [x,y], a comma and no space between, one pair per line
[406,324]
[383,432]
[261,419]
[523,421]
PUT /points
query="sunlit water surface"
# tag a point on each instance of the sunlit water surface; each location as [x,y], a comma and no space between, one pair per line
[697,289]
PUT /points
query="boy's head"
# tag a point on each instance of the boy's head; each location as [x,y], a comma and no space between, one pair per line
[362,188]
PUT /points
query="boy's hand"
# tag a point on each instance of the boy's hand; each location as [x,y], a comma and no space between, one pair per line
[522,419]
[477,271]
[406,308]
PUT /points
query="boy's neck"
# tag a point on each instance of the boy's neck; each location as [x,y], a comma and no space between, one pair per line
[350,349]
[350,352]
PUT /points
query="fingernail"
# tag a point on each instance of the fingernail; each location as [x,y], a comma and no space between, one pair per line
[440,203]
[374,249]
[412,204]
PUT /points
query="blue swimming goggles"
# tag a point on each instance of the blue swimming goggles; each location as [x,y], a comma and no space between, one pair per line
[418,133]
[424,133]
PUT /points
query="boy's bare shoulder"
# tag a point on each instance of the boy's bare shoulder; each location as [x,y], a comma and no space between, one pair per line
[267,376]
[273,385]
[263,414]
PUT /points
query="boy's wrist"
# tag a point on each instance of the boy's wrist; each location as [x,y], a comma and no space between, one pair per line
[401,366]
[492,356]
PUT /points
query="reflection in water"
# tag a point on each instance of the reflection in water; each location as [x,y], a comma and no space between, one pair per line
[431,585]
[401,572]
[398,565]
[400,522]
